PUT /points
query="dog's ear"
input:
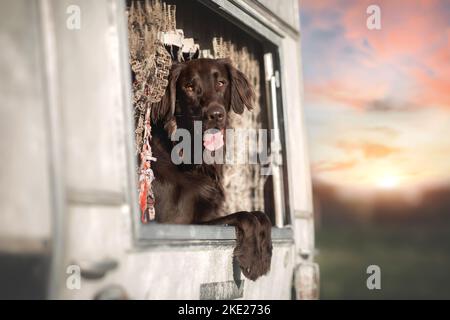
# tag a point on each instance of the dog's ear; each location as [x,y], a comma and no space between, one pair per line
[164,110]
[241,91]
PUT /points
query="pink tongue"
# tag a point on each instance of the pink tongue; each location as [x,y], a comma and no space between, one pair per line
[213,141]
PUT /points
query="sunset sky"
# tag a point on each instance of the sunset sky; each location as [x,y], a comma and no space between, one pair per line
[377,102]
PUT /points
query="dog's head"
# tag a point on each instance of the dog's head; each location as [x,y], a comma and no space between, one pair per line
[204,90]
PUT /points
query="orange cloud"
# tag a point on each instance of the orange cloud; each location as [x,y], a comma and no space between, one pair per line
[433,87]
[326,166]
[368,149]
[390,132]
[434,92]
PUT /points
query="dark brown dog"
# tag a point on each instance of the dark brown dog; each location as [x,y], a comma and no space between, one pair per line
[205,90]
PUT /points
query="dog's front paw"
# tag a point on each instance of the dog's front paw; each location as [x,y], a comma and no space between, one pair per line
[254,244]
[265,239]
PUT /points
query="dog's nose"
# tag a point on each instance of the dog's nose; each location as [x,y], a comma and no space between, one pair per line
[216,113]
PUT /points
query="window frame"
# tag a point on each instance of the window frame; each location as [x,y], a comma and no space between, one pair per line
[154,234]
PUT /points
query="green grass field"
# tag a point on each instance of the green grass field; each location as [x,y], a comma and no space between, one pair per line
[414,261]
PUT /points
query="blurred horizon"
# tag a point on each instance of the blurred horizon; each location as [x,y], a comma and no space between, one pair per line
[430,206]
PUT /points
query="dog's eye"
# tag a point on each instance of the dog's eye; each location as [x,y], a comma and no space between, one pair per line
[220,83]
[189,88]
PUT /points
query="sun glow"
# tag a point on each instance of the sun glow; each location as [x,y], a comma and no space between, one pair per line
[388,182]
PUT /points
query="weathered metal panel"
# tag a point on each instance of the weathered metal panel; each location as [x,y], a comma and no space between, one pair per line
[90,94]
[163,271]
[25,200]
[225,290]
[286,10]
[296,145]
[304,236]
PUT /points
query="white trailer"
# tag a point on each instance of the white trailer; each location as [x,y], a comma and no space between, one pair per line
[68,200]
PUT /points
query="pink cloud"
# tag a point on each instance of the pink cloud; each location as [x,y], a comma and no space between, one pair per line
[407,27]
[345,91]
[412,46]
